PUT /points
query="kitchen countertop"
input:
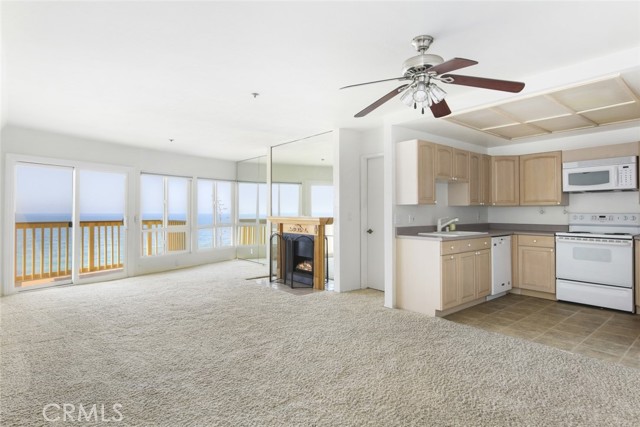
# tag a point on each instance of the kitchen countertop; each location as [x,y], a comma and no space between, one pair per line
[492,230]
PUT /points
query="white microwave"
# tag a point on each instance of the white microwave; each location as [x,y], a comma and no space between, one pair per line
[617,173]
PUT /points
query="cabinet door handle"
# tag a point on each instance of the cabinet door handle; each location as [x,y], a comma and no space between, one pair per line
[451,257]
[535,241]
[550,250]
[469,244]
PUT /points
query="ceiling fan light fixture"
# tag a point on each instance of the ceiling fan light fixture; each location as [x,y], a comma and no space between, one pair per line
[407,97]
[421,92]
[436,94]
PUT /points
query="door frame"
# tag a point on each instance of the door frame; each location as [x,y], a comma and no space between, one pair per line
[364,200]
[8,239]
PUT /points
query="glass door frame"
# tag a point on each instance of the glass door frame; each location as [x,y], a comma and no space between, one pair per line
[8,235]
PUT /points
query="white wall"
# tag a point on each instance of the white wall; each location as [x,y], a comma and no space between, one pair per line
[347,229]
[46,144]
[73,150]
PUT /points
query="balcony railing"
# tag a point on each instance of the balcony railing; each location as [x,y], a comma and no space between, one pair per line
[43,249]
[252,234]
[154,235]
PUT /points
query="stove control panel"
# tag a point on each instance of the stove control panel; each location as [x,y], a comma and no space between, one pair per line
[605,219]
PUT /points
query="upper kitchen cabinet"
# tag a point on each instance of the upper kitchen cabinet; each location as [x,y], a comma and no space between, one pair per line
[477,190]
[415,181]
[451,164]
[460,165]
[485,180]
[505,180]
[541,179]
[444,163]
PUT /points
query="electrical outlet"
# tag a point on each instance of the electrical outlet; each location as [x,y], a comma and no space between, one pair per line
[412,219]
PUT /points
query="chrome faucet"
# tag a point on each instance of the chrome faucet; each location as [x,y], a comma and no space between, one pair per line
[446,222]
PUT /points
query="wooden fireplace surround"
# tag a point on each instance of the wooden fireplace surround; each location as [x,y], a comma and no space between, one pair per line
[314,226]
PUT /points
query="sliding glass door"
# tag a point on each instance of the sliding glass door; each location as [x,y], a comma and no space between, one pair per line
[102,228]
[69,224]
[43,249]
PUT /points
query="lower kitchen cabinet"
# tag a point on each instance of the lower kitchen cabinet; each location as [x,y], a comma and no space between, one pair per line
[536,263]
[465,277]
[434,276]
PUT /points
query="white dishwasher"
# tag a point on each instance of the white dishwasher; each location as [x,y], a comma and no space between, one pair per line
[500,266]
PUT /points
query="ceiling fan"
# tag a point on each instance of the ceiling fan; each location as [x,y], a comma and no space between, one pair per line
[422,70]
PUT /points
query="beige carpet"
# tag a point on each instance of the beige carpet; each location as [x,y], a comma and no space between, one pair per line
[202,347]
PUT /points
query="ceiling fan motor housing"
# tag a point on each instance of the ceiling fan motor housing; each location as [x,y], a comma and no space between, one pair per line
[420,64]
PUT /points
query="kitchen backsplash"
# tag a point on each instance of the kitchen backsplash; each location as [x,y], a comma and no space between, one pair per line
[409,215]
[618,202]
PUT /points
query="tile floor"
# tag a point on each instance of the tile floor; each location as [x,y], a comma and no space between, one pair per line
[604,334]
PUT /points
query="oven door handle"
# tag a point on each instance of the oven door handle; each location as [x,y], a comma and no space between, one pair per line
[573,241]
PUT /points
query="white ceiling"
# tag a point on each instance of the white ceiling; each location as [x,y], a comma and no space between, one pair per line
[143,72]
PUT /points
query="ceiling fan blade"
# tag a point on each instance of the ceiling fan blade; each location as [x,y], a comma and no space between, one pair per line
[381,101]
[440,109]
[377,81]
[504,85]
[452,64]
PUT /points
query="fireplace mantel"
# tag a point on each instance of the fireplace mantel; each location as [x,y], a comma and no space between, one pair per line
[314,226]
[301,224]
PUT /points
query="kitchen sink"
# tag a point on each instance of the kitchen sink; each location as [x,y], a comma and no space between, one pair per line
[453,233]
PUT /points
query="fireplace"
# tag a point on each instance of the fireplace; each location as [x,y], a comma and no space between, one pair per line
[299,251]
[299,263]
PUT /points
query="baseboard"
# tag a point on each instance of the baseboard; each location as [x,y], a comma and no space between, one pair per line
[530,293]
[442,313]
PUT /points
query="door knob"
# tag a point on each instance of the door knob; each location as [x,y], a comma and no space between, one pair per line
[369,231]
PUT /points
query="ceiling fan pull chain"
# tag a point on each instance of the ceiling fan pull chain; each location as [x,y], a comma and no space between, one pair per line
[422,110]
[415,105]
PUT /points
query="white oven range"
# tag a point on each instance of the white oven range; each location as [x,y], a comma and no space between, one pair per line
[594,260]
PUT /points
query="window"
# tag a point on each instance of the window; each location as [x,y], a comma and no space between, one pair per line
[164,205]
[322,200]
[285,199]
[215,219]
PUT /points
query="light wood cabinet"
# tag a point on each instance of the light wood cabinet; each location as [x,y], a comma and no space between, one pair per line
[541,179]
[434,276]
[536,263]
[514,261]
[415,180]
[466,276]
[485,180]
[460,165]
[505,181]
[444,163]
[476,191]
[483,273]
[451,164]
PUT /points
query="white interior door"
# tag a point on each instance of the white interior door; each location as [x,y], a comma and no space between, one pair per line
[374,223]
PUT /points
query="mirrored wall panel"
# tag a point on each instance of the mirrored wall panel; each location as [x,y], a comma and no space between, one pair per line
[302,182]
[252,209]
